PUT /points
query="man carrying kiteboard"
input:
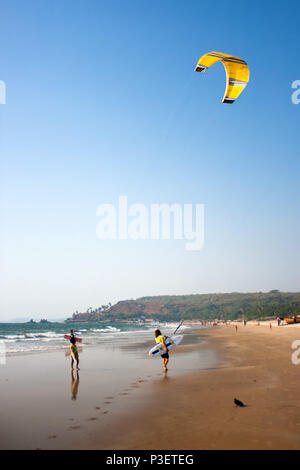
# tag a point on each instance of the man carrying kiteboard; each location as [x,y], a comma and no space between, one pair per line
[159,338]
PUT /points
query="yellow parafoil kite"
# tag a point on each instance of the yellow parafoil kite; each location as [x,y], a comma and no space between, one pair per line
[237,72]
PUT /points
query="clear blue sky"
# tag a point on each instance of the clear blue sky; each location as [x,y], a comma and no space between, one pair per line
[102,101]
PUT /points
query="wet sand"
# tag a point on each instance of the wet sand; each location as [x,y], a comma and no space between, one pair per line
[44,406]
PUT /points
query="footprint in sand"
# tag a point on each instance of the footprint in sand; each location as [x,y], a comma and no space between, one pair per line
[124,393]
[92,419]
[105,412]
[109,398]
[74,427]
[97,407]
[52,437]
[107,402]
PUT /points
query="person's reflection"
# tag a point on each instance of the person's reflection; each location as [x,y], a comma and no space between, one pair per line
[74,385]
[165,376]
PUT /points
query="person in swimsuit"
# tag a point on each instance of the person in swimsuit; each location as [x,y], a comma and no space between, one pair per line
[159,338]
[74,351]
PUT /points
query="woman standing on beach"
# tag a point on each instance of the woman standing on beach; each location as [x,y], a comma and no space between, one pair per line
[74,351]
[159,338]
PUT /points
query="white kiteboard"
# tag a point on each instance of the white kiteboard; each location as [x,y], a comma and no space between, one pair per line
[171,342]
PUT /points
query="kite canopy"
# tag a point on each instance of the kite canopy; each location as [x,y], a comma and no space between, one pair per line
[237,72]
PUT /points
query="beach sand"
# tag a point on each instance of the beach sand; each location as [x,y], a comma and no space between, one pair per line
[124,401]
[197,411]
[44,406]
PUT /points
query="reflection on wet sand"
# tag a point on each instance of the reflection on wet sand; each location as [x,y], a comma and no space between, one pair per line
[74,385]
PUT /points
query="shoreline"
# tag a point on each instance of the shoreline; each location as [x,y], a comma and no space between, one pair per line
[197,411]
[44,406]
[126,402]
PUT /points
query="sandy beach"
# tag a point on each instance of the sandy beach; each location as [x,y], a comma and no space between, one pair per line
[197,411]
[122,400]
[44,406]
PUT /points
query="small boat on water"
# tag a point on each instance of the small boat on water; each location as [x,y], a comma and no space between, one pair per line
[294,319]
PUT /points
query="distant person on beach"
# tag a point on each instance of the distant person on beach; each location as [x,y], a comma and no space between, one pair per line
[74,351]
[159,338]
[236,328]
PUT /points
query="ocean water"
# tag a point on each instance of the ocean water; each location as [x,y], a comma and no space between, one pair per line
[18,338]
